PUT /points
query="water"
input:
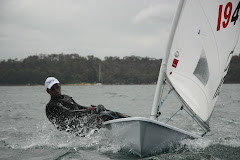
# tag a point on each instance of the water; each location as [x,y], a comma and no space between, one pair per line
[25,132]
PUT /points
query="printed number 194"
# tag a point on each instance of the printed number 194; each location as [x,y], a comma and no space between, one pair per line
[227,15]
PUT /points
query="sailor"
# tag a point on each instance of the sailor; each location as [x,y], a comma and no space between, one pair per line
[67,115]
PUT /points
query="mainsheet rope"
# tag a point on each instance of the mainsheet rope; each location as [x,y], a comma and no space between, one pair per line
[112,115]
[193,117]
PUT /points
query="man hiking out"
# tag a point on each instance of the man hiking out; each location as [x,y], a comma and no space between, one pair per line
[67,115]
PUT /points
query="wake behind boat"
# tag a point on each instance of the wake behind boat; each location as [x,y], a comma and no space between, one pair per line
[202,41]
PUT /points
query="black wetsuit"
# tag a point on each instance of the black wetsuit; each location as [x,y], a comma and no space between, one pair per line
[67,115]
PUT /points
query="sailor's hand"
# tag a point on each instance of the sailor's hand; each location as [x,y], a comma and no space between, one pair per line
[99,108]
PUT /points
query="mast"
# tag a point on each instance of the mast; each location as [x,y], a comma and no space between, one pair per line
[164,61]
[99,73]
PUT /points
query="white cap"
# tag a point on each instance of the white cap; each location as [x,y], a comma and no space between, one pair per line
[50,81]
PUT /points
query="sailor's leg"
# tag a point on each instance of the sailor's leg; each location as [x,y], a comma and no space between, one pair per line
[110,115]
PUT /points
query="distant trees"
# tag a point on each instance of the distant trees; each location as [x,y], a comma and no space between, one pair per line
[72,68]
[233,75]
[130,70]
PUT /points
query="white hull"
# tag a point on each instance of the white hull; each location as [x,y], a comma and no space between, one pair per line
[144,136]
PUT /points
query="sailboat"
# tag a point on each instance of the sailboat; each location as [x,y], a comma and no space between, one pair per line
[202,41]
[99,75]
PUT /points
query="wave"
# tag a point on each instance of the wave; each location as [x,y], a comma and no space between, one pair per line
[47,137]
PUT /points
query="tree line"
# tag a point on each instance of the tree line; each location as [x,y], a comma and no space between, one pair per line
[75,69]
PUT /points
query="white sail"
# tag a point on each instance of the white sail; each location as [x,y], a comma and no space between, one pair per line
[202,47]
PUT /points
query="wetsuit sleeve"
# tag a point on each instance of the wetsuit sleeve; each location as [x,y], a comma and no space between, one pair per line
[57,109]
[72,112]
[80,106]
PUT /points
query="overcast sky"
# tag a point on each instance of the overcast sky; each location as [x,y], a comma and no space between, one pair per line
[88,27]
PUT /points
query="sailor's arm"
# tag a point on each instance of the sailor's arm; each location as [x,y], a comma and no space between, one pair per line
[80,107]
[75,111]
[88,110]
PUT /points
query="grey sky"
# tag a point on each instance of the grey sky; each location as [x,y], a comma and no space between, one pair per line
[88,27]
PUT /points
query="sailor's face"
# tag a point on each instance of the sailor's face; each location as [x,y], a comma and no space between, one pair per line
[55,90]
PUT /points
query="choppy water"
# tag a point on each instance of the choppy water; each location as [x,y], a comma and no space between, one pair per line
[25,132]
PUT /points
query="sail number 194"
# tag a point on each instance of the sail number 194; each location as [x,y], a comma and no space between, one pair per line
[227,15]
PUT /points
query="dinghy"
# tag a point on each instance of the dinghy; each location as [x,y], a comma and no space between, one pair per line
[202,41]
